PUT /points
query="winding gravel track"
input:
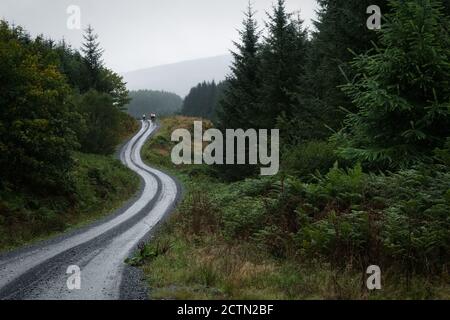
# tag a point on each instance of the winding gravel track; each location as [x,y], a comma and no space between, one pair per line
[39,271]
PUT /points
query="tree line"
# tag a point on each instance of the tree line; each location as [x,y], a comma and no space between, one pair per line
[203,100]
[150,101]
[55,100]
[383,95]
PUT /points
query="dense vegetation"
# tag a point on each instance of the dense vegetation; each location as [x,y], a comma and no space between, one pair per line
[203,100]
[284,238]
[364,118]
[100,184]
[150,101]
[56,102]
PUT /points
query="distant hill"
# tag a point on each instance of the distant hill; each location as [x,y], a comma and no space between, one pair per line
[179,77]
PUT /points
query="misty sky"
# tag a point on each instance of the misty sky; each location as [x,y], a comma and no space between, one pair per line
[142,33]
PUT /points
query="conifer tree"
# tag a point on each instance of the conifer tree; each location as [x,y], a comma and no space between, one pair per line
[402,90]
[281,66]
[202,100]
[93,59]
[340,32]
[237,107]
[305,121]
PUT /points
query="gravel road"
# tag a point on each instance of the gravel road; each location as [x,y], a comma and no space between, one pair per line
[99,250]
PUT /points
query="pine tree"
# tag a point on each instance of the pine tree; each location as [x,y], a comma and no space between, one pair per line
[237,108]
[281,66]
[402,90]
[202,100]
[71,64]
[92,59]
[340,32]
[305,122]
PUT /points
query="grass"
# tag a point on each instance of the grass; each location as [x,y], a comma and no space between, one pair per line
[102,184]
[192,258]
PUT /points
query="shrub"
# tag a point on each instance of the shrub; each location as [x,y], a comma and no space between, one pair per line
[416,228]
[243,217]
[36,140]
[102,121]
[400,219]
[443,154]
[199,213]
[309,158]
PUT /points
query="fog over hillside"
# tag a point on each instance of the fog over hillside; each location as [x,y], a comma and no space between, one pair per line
[179,77]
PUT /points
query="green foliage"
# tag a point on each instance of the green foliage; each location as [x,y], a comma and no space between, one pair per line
[114,85]
[308,121]
[238,104]
[43,120]
[443,154]
[199,211]
[402,89]
[92,59]
[202,101]
[243,218]
[96,76]
[70,63]
[309,158]
[401,219]
[282,237]
[417,223]
[100,184]
[325,209]
[345,217]
[265,73]
[341,32]
[35,137]
[262,79]
[103,123]
[283,58]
